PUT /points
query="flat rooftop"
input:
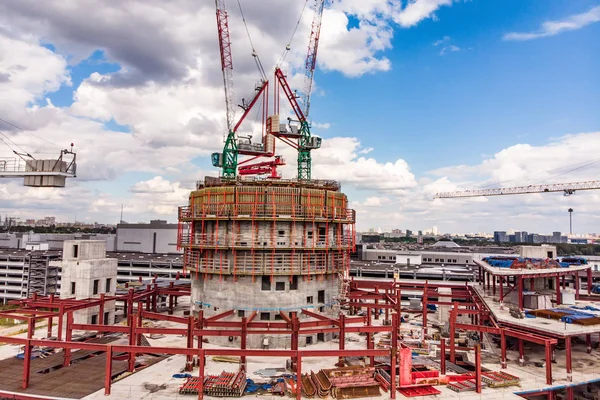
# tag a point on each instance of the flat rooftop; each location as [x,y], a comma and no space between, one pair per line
[548,327]
[498,271]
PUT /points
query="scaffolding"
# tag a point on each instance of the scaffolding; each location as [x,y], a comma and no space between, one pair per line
[41,274]
[253,227]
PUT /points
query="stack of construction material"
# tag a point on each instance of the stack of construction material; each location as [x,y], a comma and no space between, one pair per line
[227,384]
[568,315]
[499,379]
[352,382]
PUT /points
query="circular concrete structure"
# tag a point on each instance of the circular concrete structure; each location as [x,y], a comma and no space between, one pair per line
[266,246]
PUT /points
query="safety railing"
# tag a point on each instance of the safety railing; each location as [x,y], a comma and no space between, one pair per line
[266,211]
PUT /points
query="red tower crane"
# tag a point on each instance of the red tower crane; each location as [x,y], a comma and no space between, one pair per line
[234,146]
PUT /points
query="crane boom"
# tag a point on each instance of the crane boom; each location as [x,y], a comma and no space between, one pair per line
[311,57]
[567,188]
[226,61]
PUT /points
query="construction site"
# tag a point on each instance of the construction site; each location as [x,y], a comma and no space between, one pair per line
[270,308]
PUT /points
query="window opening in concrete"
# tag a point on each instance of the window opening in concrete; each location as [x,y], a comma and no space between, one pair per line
[321,309]
[309,340]
[322,234]
[321,296]
[266,283]
[106,317]
[277,317]
[75,250]
[265,316]
[279,285]
[294,283]
[72,287]
[94,319]
[96,285]
[281,233]
[108,284]
[309,234]
[320,337]
[309,299]
[241,313]
[550,255]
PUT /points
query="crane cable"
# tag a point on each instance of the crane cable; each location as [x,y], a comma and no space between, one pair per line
[31,133]
[289,45]
[13,150]
[254,53]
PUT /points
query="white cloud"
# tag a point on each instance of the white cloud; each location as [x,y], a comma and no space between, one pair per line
[451,48]
[443,40]
[418,10]
[551,28]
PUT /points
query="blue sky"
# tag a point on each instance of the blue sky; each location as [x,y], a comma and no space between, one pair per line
[436,110]
[419,96]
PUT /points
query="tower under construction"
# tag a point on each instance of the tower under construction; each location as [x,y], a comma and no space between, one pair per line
[266,248]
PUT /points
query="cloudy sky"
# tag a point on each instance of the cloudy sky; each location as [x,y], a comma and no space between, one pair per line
[411,97]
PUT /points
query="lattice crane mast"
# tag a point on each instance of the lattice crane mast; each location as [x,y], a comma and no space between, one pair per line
[306,142]
[567,189]
[228,159]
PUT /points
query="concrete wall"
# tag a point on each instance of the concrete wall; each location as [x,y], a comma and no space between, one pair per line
[408,259]
[147,238]
[543,251]
[84,269]
[217,295]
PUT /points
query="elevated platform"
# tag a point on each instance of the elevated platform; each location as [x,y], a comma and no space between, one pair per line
[546,327]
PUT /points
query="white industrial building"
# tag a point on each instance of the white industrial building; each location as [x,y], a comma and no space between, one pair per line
[157,237]
[88,273]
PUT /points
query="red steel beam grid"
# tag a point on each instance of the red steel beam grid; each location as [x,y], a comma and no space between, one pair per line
[201,353]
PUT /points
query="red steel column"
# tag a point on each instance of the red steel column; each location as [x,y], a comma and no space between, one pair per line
[61,314]
[131,356]
[558,296]
[394,354]
[298,375]
[568,356]
[588,342]
[577,285]
[521,352]
[501,288]
[443,356]
[503,349]
[190,343]
[139,324]
[478,368]
[295,335]
[30,327]
[49,327]
[243,339]
[590,281]
[101,310]
[108,370]
[494,288]
[68,337]
[570,395]
[453,315]
[424,300]
[201,363]
[387,310]
[564,285]
[26,365]
[548,363]
[200,325]
[342,344]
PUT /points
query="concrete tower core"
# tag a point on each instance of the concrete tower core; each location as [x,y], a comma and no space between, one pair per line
[87,273]
[266,246]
